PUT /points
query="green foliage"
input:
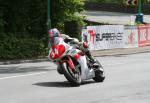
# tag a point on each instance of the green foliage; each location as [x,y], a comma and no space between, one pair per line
[1,24]
[1,21]
[23,32]
[73,27]
[102,1]
[17,48]
[115,1]
[23,29]
[106,1]
[27,16]
[64,10]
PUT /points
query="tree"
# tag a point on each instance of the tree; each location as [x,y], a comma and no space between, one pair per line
[64,10]
[29,16]
[64,16]
[23,23]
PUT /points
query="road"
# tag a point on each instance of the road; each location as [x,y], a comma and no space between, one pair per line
[127,81]
[112,17]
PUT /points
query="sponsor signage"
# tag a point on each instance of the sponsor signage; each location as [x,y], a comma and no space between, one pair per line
[105,36]
[144,35]
[116,36]
[131,36]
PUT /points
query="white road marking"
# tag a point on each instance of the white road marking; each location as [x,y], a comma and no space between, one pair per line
[16,76]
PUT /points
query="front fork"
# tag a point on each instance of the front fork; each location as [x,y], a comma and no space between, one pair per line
[69,62]
[86,73]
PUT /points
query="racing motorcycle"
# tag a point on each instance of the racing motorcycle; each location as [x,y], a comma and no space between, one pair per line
[73,63]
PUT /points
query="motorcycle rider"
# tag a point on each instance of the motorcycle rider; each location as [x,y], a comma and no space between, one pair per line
[55,38]
[83,46]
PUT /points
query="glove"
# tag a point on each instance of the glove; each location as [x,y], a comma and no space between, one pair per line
[85,44]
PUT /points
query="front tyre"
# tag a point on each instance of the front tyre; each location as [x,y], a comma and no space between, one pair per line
[99,73]
[74,77]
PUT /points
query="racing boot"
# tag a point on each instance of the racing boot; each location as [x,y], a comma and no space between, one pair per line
[92,60]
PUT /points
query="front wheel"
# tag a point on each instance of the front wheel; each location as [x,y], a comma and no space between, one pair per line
[74,77]
[99,73]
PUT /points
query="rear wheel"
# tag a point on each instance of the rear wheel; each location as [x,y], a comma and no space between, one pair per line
[74,77]
[99,73]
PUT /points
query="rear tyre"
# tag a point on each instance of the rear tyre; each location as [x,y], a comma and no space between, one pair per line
[99,73]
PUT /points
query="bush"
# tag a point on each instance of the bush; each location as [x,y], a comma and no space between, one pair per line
[17,48]
[73,27]
[63,14]
[106,1]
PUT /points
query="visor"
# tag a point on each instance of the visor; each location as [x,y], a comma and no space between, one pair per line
[54,40]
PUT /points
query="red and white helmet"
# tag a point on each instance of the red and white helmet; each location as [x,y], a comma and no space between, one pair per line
[54,33]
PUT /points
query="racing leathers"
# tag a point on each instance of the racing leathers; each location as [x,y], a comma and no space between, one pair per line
[83,46]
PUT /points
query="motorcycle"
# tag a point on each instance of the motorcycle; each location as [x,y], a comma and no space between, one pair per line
[73,63]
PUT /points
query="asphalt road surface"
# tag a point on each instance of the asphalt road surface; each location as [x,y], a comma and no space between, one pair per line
[127,81]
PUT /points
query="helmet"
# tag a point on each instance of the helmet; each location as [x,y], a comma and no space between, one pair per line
[54,33]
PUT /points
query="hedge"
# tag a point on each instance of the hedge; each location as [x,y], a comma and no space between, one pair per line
[18,48]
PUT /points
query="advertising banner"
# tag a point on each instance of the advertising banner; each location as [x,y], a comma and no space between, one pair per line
[131,36]
[144,35]
[116,36]
[105,37]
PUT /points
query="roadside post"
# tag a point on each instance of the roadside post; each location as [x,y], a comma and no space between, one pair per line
[139,16]
[138,3]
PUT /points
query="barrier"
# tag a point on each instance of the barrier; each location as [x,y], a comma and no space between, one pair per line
[105,36]
[144,35]
[131,36]
[116,36]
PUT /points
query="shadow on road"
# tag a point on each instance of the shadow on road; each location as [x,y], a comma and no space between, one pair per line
[64,84]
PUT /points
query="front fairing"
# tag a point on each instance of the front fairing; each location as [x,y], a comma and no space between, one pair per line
[58,49]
